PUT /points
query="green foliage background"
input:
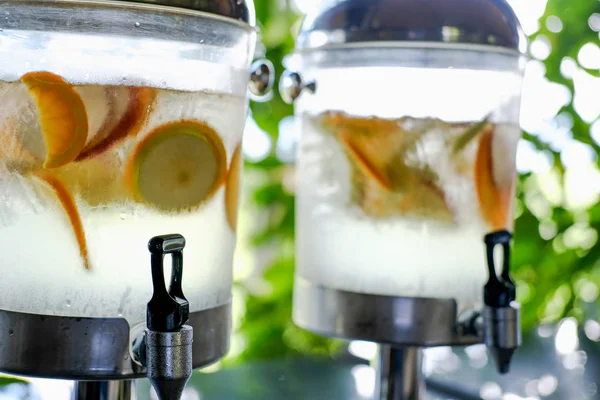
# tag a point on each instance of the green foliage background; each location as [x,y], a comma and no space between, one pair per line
[554,271]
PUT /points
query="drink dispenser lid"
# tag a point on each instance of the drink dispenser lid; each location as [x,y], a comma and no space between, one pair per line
[444,22]
[240,10]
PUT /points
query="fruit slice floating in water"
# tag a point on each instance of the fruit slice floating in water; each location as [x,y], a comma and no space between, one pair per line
[68,204]
[123,111]
[363,151]
[62,117]
[177,166]
[383,182]
[468,135]
[494,200]
[371,143]
[232,187]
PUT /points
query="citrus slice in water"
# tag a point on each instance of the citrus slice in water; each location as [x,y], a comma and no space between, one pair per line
[494,200]
[68,204]
[62,117]
[232,188]
[177,166]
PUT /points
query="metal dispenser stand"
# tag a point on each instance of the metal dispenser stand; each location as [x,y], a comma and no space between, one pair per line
[402,326]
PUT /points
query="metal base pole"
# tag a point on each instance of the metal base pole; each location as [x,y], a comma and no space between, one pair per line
[400,374]
[104,390]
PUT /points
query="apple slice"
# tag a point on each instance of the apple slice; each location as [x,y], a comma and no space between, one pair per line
[124,111]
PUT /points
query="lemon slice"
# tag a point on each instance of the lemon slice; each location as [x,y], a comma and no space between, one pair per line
[67,202]
[177,166]
[232,187]
[62,117]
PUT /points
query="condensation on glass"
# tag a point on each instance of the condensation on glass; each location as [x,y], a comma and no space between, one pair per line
[406,160]
[118,122]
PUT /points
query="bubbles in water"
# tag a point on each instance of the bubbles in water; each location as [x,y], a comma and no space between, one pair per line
[123,216]
[11,332]
[137,24]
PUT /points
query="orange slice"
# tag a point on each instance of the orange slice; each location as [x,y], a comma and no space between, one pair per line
[494,201]
[372,144]
[177,166]
[364,151]
[232,187]
[68,204]
[128,108]
[504,154]
[62,117]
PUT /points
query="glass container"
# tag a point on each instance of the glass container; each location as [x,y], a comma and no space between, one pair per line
[119,121]
[409,116]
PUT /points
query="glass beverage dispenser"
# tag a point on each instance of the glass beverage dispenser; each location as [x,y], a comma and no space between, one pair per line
[119,120]
[409,113]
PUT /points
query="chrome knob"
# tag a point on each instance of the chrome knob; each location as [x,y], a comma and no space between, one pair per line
[291,86]
[262,78]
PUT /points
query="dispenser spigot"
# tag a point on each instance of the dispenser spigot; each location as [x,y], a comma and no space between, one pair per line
[501,315]
[166,347]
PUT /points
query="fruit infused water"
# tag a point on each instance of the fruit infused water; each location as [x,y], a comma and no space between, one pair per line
[403,202]
[90,172]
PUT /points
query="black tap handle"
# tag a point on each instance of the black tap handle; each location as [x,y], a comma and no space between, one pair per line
[499,291]
[167,311]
